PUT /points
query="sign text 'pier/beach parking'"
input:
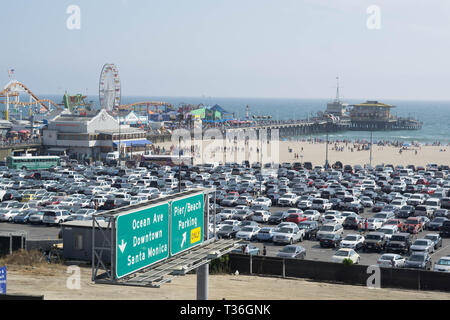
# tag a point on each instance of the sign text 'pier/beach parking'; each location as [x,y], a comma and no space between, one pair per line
[186,223]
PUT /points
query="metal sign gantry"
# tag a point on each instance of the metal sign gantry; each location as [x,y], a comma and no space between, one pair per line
[179,221]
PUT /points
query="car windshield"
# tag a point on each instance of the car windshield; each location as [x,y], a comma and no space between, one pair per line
[247,229]
[386,231]
[304,226]
[328,236]
[277,214]
[444,262]
[351,238]
[432,237]
[326,228]
[288,249]
[420,243]
[416,257]
[286,230]
[341,253]
[408,221]
[397,238]
[390,258]
[227,228]
[373,237]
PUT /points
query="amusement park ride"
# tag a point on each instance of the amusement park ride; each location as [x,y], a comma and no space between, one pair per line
[109,98]
[10,97]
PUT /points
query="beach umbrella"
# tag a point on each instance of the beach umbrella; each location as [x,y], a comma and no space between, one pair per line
[24,131]
[13,132]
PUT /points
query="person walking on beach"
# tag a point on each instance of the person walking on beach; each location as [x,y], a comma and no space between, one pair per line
[366,225]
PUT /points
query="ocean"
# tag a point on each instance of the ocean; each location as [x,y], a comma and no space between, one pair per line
[435,115]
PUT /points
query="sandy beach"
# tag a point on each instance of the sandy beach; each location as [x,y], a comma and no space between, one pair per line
[315,152]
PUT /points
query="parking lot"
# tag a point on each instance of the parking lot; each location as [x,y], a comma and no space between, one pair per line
[315,252]
[37,202]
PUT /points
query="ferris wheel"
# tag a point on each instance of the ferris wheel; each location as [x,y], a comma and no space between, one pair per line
[109,87]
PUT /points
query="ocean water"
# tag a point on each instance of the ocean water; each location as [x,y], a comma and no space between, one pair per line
[435,115]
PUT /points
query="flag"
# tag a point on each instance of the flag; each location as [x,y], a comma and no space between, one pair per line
[10,72]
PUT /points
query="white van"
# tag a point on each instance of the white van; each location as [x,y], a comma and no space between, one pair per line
[112,156]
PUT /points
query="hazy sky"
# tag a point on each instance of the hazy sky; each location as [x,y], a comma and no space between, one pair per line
[232,48]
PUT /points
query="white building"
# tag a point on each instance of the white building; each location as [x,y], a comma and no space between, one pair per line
[92,136]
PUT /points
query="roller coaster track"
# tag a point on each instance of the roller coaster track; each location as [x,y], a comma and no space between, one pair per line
[11,90]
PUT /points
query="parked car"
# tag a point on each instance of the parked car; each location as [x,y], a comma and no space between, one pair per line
[436,239]
[288,234]
[310,227]
[436,223]
[248,233]
[329,228]
[353,241]
[400,242]
[412,225]
[292,251]
[343,254]
[330,240]
[261,216]
[277,217]
[419,260]
[443,264]
[422,245]
[265,234]
[228,231]
[374,241]
[55,217]
[444,231]
[391,260]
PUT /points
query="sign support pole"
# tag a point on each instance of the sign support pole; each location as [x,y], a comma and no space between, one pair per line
[202,282]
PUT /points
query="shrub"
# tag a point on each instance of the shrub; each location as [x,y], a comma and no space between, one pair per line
[347,262]
[220,265]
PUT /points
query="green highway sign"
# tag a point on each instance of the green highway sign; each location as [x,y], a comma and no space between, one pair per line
[186,223]
[142,238]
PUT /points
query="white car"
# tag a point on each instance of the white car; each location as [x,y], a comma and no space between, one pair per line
[391,260]
[229,222]
[288,199]
[305,204]
[329,228]
[248,233]
[352,241]
[55,217]
[342,254]
[321,205]
[8,214]
[388,230]
[261,216]
[443,265]
[288,234]
[374,224]
[262,201]
[312,215]
[227,213]
[332,218]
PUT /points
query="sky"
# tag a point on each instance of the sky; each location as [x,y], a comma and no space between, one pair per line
[232,48]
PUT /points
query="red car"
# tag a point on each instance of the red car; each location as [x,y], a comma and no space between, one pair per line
[395,222]
[412,225]
[296,218]
[423,181]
